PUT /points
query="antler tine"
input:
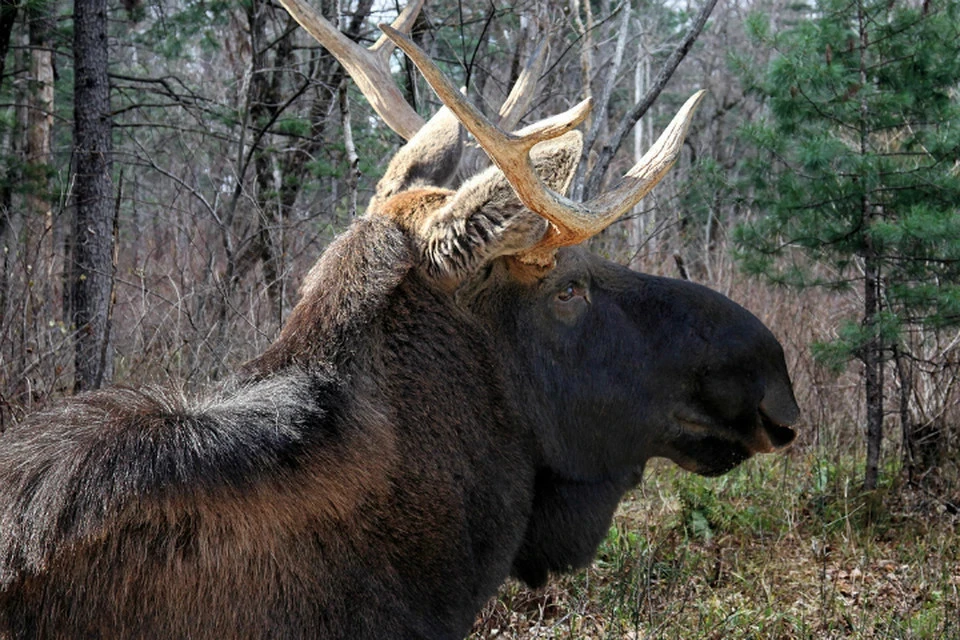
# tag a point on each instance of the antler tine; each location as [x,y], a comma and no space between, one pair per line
[369,68]
[510,148]
[521,95]
[383,47]
[643,176]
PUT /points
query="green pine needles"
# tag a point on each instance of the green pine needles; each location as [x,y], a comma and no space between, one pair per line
[855,183]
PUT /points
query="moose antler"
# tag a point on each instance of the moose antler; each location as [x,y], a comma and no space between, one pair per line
[369,68]
[571,222]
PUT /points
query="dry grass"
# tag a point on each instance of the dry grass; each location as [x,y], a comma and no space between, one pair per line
[781,548]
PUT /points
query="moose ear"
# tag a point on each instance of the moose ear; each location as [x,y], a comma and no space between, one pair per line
[429,159]
[484,219]
[556,160]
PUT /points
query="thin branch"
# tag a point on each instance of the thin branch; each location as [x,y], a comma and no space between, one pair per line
[609,150]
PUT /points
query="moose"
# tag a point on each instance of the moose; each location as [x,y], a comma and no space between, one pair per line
[463,393]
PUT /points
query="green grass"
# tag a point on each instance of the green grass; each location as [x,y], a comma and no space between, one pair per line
[784,547]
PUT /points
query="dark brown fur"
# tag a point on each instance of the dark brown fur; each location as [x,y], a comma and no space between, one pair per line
[285,508]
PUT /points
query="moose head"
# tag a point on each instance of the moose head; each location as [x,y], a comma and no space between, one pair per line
[463,393]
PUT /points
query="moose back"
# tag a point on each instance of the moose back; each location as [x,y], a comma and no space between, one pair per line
[461,394]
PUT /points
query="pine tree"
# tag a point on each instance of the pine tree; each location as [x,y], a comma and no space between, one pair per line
[857,169]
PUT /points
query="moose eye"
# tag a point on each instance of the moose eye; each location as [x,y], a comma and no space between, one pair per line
[567,293]
[571,302]
[573,290]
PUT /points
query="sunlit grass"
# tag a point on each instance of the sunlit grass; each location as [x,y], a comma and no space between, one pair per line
[784,547]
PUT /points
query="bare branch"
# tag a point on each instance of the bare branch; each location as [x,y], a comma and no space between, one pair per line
[616,140]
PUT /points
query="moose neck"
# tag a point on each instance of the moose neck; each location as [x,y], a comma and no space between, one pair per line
[340,297]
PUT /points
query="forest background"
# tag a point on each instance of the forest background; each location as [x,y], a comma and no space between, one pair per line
[170,169]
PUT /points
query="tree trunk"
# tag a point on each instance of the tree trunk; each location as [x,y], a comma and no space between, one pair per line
[92,275]
[279,176]
[873,349]
[602,101]
[265,101]
[873,372]
[905,376]
[8,17]
[38,201]
[585,32]
[40,109]
[350,150]
[642,227]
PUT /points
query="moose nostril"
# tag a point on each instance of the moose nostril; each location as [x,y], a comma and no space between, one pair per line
[779,436]
[778,410]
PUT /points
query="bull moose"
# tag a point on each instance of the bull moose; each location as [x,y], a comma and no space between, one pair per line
[462,394]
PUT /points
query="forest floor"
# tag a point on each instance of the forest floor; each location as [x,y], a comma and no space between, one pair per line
[785,547]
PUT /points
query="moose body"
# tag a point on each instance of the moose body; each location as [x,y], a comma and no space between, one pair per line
[437,413]
[381,498]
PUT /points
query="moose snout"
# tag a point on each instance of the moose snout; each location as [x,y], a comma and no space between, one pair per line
[750,389]
[739,408]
